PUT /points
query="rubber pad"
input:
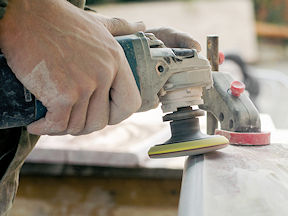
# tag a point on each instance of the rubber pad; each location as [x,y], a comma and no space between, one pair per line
[194,147]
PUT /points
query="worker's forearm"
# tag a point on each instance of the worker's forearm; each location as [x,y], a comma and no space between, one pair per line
[69,60]
[4,3]
[9,21]
[21,14]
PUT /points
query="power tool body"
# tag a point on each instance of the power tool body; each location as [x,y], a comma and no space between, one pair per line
[174,77]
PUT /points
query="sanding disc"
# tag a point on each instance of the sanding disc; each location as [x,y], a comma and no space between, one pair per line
[193,147]
[246,138]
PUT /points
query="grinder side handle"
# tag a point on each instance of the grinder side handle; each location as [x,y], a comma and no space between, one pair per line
[235,113]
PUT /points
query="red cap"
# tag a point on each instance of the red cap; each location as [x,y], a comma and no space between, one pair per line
[237,88]
[221,57]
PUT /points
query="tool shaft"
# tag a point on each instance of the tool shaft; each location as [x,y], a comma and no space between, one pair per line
[191,196]
[213,58]
[213,51]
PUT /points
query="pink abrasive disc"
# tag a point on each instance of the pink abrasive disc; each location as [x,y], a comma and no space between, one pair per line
[238,138]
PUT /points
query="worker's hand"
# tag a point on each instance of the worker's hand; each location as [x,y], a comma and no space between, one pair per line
[118,26]
[174,38]
[70,61]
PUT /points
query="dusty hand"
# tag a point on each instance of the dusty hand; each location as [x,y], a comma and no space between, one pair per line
[174,38]
[70,61]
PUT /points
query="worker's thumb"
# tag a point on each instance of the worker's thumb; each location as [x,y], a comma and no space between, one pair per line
[119,26]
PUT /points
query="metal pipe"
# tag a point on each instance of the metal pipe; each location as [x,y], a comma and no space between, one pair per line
[191,195]
[213,51]
[213,57]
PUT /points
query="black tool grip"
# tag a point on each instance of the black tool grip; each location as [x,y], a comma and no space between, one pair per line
[18,106]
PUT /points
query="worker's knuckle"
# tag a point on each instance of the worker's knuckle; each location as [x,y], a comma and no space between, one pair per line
[75,131]
[86,90]
[66,101]
[167,30]
[95,127]
[108,80]
[100,127]
[124,112]
[118,49]
[121,115]
[118,54]
[135,107]
[138,103]
[114,122]
[162,28]
[119,21]
[60,126]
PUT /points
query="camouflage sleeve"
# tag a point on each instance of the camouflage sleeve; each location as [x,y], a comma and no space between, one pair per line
[15,145]
[3,5]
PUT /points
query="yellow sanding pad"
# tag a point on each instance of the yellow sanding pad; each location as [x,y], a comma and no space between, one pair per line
[193,147]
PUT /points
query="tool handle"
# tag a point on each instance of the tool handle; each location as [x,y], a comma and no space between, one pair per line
[19,107]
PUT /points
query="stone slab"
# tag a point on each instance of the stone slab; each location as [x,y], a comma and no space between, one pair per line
[246,181]
[124,145]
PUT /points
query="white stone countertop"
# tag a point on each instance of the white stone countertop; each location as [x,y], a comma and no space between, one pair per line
[124,145]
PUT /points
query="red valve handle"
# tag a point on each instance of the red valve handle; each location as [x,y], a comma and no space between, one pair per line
[237,88]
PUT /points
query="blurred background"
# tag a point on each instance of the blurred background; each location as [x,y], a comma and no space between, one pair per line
[108,173]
